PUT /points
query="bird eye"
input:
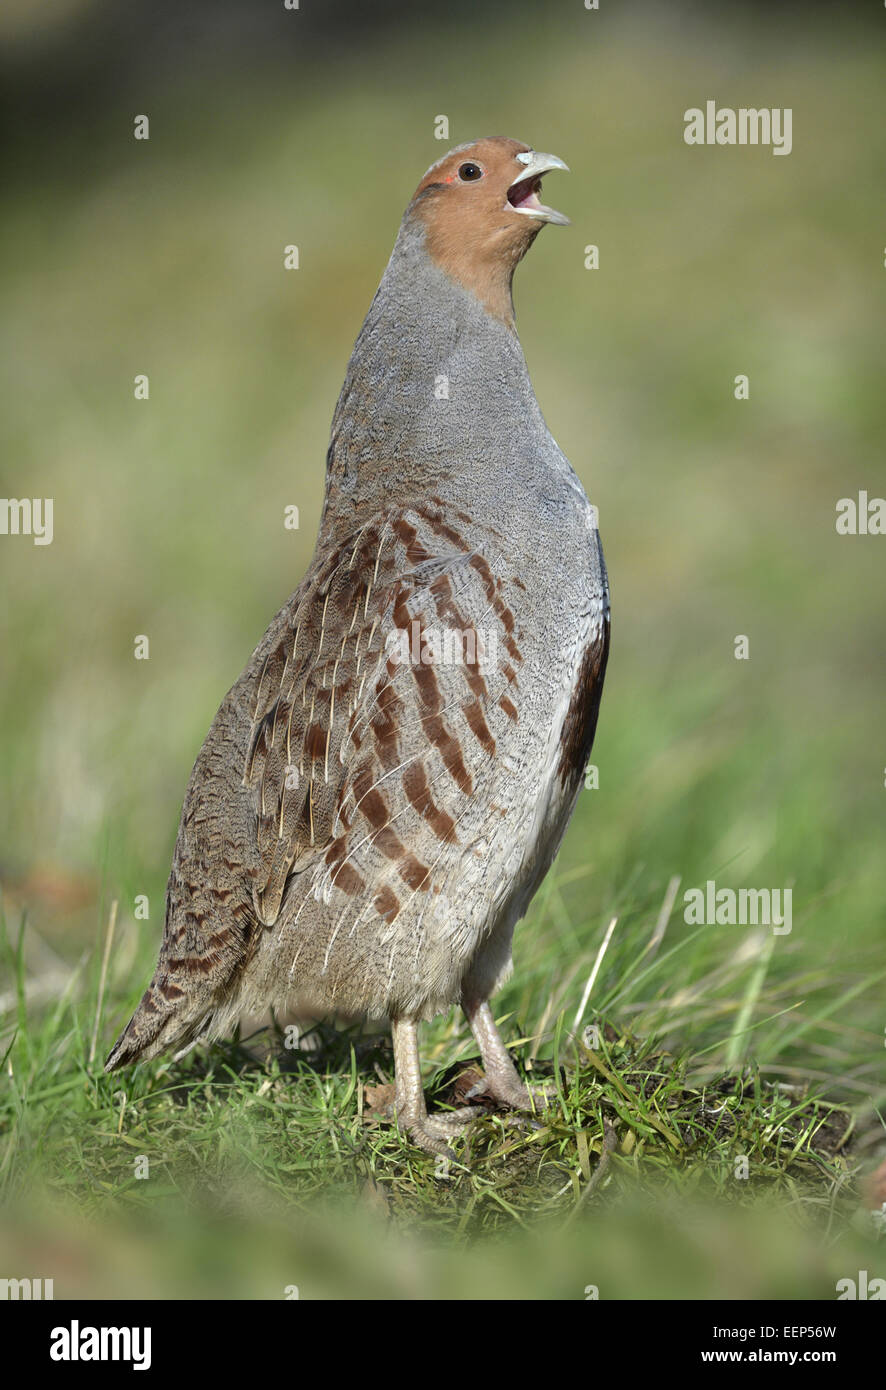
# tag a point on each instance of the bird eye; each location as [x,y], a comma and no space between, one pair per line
[469,172]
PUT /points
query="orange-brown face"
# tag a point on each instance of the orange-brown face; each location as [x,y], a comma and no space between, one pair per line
[481,211]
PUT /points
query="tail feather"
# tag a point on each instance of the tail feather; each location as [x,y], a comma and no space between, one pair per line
[155,1027]
[195,988]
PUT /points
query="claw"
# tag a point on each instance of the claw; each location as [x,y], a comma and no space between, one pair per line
[429,1132]
[480,1088]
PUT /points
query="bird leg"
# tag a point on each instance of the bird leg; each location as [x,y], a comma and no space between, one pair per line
[502,1078]
[428,1132]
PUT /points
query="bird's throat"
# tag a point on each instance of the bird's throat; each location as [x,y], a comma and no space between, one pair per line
[436,382]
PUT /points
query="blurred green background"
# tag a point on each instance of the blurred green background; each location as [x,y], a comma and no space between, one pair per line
[165,257]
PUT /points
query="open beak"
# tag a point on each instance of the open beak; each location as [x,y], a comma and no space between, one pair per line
[523,192]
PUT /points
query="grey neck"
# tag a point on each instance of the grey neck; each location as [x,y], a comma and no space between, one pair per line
[437,391]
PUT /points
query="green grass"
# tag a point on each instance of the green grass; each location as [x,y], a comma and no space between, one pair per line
[253,1134]
[267,1167]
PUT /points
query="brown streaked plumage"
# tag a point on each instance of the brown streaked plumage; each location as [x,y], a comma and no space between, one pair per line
[385,786]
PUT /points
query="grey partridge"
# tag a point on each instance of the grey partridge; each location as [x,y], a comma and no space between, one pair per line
[387,783]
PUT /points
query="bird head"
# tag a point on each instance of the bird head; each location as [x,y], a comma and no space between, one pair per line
[481,212]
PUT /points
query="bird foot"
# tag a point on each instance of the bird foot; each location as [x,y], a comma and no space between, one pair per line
[511,1093]
[430,1132]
